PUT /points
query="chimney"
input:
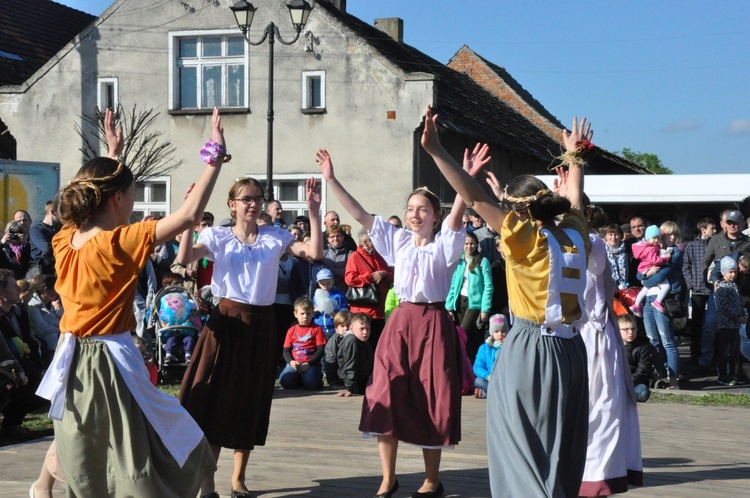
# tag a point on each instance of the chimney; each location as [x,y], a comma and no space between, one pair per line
[339,4]
[392,26]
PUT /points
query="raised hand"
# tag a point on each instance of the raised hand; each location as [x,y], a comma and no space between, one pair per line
[312,194]
[323,158]
[475,160]
[430,136]
[495,185]
[579,133]
[560,184]
[115,140]
[217,132]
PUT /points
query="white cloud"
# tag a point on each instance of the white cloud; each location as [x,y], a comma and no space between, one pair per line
[739,127]
[684,125]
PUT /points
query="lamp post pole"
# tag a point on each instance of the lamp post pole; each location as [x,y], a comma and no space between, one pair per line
[243,12]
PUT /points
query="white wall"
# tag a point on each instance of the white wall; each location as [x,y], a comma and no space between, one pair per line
[372,154]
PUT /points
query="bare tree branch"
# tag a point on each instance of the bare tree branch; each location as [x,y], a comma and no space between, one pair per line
[144,151]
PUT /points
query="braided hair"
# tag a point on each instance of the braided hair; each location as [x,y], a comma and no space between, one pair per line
[88,192]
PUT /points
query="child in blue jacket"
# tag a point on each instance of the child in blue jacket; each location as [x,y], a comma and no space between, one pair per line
[487,354]
[327,307]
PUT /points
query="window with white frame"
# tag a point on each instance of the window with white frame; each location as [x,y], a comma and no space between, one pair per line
[151,198]
[106,93]
[313,90]
[289,190]
[208,69]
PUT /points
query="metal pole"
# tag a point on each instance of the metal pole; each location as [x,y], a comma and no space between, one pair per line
[269,165]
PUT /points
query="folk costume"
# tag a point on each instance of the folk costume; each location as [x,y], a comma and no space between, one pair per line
[613,457]
[229,383]
[415,391]
[116,434]
[537,404]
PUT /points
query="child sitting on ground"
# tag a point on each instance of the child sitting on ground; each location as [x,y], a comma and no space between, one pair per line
[328,303]
[731,315]
[649,254]
[355,357]
[331,367]
[487,354]
[641,357]
[303,350]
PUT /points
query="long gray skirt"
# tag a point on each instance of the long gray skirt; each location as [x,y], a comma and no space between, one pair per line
[107,447]
[537,415]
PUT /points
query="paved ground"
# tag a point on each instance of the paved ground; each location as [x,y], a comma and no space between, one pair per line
[314,450]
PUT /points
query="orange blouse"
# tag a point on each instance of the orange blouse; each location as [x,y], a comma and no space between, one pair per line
[97,282]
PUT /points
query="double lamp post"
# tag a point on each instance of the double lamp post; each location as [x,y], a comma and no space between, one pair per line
[243,11]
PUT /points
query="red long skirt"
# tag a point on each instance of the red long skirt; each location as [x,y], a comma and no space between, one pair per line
[414,394]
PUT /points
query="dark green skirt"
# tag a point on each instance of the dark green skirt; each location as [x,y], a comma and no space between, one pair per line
[106,445]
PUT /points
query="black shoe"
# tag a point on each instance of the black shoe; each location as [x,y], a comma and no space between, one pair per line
[241,494]
[212,494]
[390,492]
[431,494]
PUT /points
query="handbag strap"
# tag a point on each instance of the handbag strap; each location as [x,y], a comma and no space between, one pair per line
[366,262]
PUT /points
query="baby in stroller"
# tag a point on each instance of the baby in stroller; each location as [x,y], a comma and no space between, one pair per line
[178,322]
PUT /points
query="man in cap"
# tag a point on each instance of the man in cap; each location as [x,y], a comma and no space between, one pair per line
[730,242]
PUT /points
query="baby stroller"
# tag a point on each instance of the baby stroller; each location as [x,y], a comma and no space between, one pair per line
[175,319]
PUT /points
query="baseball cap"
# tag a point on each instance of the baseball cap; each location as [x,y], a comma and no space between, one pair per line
[324,274]
[735,217]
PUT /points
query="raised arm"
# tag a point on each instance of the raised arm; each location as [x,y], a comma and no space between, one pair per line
[473,163]
[577,144]
[314,249]
[461,181]
[115,139]
[352,206]
[191,210]
[188,251]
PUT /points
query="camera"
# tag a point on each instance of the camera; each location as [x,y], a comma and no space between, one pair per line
[14,236]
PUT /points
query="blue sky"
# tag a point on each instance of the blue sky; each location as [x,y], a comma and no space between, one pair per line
[669,77]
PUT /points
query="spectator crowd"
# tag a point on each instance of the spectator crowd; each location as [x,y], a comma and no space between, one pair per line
[656,290]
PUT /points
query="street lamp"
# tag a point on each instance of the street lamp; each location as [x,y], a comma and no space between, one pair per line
[243,11]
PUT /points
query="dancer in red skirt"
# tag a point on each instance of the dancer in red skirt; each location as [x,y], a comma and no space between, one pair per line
[415,392]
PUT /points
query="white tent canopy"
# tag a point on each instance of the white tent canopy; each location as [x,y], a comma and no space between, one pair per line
[663,189]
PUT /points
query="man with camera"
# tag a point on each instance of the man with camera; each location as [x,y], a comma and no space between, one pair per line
[15,251]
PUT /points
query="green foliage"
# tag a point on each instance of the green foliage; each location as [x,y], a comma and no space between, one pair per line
[38,422]
[714,399]
[646,160]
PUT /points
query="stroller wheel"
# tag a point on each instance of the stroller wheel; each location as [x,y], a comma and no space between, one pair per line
[661,384]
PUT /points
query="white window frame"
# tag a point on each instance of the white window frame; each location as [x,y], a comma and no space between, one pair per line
[149,206]
[301,178]
[101,94]
[306,96]
[174,63]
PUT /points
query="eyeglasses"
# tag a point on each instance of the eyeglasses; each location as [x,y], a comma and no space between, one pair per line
[247,200]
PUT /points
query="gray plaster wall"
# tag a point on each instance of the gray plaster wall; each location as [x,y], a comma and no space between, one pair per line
[373,155]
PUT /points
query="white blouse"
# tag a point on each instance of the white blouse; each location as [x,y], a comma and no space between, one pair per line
[421,274]
[245,273]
